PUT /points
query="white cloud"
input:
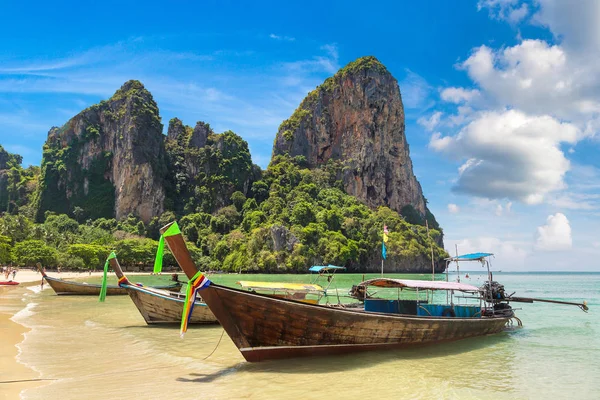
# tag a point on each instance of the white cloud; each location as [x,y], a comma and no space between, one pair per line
[458,95]
[576,201]
[506,10]
[323,63]
[283,38]
[453,208]
[537,78]
[518,14]
[503,210]
[431,122]
[576,25]
[509,155]
[415,91]
[555,235]
[507,254]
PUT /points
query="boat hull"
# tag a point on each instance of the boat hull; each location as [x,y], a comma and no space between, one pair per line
[162,307]
[62,287]
[265,327]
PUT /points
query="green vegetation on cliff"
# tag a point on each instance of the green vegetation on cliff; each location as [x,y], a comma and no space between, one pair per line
[292,218]
[16,183]
[203,179]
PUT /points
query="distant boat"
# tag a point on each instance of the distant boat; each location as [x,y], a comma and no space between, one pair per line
[8,283]
[161,306]
[62,287]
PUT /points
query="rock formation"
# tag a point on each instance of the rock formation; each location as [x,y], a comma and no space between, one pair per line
[205,168]
[108,160]
[357,117]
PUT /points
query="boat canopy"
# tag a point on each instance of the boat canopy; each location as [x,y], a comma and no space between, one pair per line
[283,287]
[470,257]
[324,268]
[414,284]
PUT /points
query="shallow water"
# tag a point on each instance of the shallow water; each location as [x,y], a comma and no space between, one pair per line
[94,351]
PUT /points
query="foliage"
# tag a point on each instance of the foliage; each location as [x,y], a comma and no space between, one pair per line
[202,180]
[5,255]
[30,252]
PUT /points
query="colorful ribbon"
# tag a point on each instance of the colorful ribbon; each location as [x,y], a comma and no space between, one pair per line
[173,230]
[104,279]
[198,282]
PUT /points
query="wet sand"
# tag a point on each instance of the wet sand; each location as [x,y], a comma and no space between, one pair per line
[14,376]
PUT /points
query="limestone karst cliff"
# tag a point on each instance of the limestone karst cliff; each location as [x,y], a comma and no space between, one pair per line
[108,160]
[205,168]
[340,170]
[357,117]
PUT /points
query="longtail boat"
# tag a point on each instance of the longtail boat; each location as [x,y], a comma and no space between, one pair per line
[160,306]
[63,287]
[266,327]
[295,291]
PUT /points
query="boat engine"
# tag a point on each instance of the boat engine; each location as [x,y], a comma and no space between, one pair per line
[493,291]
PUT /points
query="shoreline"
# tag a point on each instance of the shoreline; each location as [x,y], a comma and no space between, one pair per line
[16,377]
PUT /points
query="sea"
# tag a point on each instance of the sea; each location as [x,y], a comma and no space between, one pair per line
[82,349]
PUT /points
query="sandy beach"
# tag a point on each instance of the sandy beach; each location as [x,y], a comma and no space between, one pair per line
[14,376]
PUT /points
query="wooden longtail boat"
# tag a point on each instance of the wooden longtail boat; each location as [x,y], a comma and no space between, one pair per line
[61,286]
[265,327]
[161,306]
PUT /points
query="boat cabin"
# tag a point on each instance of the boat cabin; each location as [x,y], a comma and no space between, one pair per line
[415,297]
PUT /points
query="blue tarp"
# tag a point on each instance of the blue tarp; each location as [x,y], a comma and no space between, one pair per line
[471,257]
[319,268]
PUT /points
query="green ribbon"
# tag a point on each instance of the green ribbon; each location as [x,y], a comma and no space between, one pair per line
[159,255]
[158,260]
[104,278]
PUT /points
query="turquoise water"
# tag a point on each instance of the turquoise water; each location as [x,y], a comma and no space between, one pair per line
[106,351]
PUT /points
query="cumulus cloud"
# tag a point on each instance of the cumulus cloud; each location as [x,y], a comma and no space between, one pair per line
[458,95]
[510,155]
[555,235]
[577,26]
[431,122]
[537,78]
[453,208]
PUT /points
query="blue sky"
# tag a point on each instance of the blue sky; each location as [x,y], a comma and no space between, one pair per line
[502,97]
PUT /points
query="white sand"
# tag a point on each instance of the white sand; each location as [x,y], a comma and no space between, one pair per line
[27,275]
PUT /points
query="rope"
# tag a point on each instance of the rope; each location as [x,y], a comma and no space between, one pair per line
[28,380]
[215,349]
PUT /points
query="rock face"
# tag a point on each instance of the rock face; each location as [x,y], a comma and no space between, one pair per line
[357,117]
[176,129]
[205,168]
[108,160]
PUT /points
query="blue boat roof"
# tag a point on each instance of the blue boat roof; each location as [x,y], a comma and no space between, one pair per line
[319,268]
[471,257]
